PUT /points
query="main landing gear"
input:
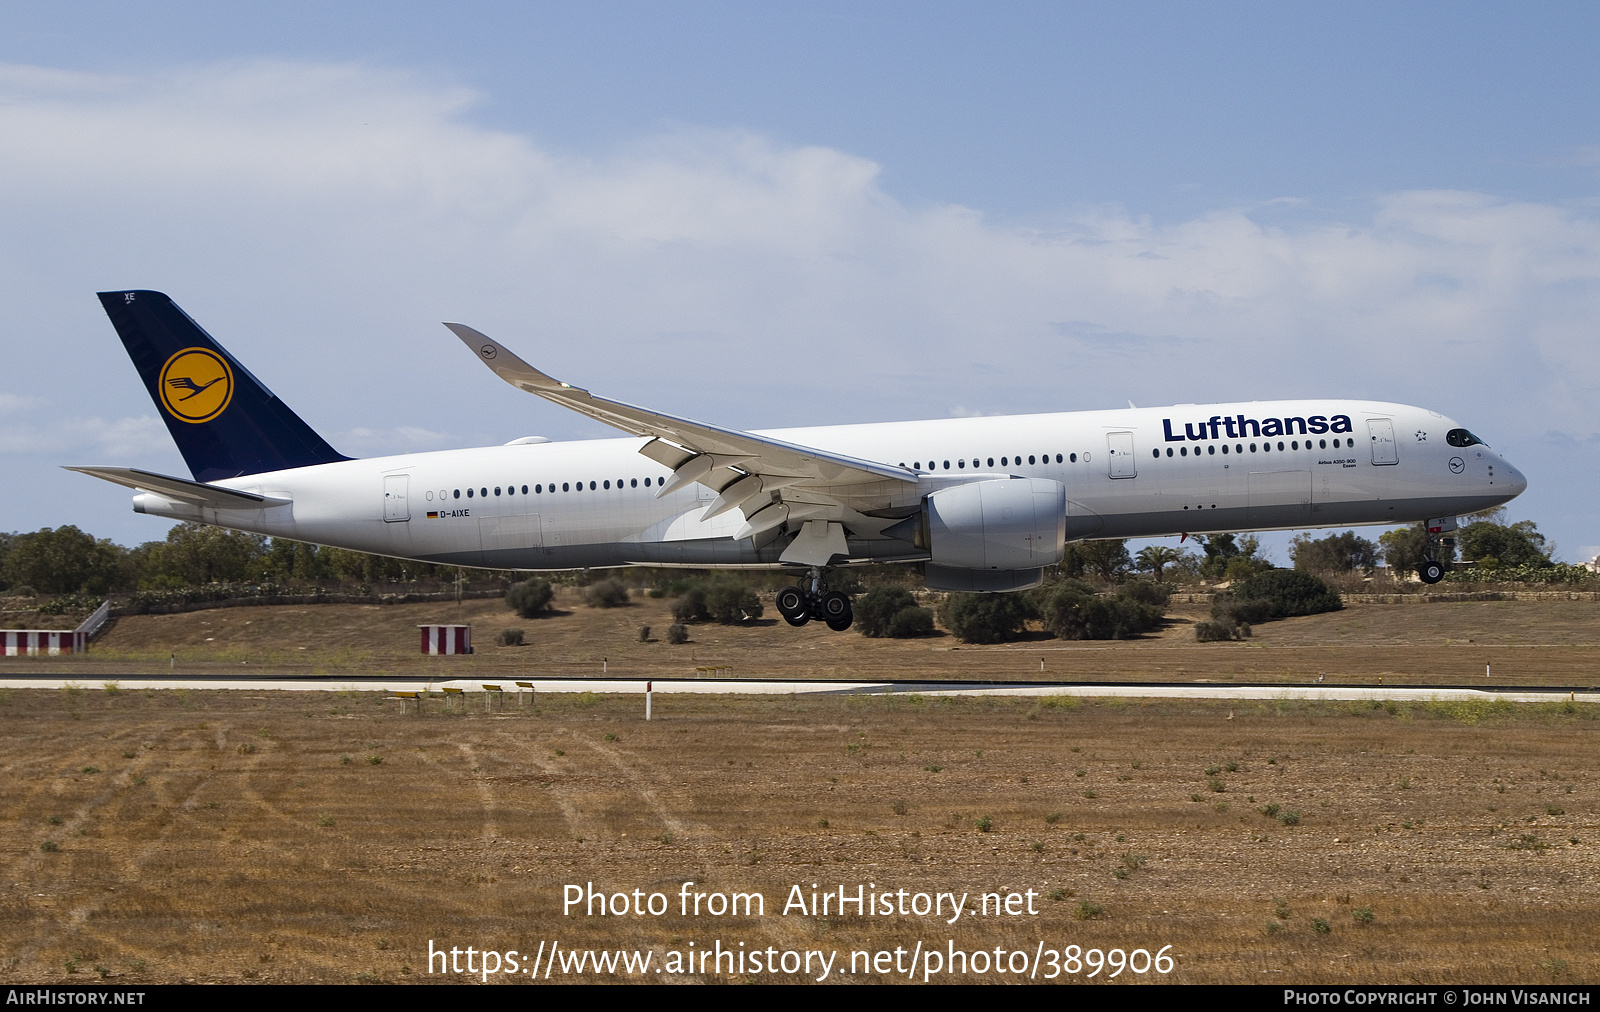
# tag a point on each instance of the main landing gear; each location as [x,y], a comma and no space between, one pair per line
[799,606]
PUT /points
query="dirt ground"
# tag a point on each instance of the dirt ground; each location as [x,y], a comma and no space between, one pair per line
[171,836]
[1523,642]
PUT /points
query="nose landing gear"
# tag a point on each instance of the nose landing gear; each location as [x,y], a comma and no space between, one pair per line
[798,606]
[1432,570]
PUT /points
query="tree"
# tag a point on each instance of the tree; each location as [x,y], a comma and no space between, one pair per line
[1231,557]
[1404,549]
[199,554]
[1106,559]
[65,560]
[1336,553]
[1518,544]
[1220,549]
[1156,558]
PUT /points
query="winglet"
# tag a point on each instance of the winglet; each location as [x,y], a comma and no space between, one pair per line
[507,365]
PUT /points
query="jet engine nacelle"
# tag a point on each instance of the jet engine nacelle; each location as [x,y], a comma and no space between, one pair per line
[1003,525]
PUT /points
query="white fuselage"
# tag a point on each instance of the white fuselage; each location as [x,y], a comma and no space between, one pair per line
[1128,473]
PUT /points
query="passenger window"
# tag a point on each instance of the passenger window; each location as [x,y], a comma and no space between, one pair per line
[961,463]
[565,487]
[1252,448]
[469,493]
[991,462]
[647,483]
[497,490]
[1280,444]
[591,486]
[1074,458]
[1212,450]
[633,483]
[1225,447]
[947,465]
[483,491]
[458,493]
[1030,458]
[1058,458]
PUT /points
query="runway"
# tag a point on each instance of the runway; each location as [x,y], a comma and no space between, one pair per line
[770,687]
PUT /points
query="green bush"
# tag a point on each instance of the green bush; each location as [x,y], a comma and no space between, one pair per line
[1220,632]
[691,603]
[530,598]
[677,634]
[911,622]
[1290,592]
[509,638]
[1231,611]
[1072,611]
[877,607]
[606,594]
[1157,595]
[987,618]
[730,601]
[891,611]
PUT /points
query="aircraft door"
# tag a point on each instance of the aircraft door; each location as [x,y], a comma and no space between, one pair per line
[394,498]
[1384,449]
[1119,448]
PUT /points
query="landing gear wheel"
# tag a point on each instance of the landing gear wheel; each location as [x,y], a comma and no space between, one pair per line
[1431,571]
[793,606]
[836,610]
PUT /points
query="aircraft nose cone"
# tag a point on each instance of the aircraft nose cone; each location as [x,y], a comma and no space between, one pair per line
[1518,483]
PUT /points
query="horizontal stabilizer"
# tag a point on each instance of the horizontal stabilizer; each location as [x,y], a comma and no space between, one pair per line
[182,489]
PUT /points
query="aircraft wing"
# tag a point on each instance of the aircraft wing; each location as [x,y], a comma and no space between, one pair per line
[743,466]
[182,489]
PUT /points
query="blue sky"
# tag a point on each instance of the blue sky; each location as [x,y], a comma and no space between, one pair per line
[789,214]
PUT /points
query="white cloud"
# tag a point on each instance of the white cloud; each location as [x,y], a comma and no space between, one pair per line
[364,442]
[113,440]
[20,402]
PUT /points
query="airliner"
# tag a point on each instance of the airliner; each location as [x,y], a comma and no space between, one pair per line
[982,504]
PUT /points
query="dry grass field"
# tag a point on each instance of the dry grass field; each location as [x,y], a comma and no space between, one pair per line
[1526,642]
[163,836]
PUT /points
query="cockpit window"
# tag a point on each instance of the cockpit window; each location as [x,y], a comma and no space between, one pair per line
[1461,437]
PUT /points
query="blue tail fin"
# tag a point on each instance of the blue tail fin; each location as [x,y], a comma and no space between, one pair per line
[225,422]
